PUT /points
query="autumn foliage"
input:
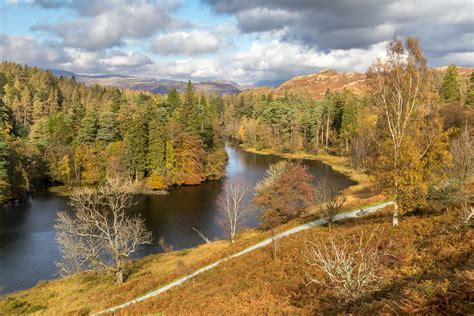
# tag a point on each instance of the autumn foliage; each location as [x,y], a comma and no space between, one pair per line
[284,193]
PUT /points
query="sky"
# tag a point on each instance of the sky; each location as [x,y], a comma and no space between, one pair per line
[240,40]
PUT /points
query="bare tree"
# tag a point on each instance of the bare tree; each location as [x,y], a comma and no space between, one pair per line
[233,206]
[99,236]
[351,273]
[276,238]
[207,240]
[467,213]
[330,198]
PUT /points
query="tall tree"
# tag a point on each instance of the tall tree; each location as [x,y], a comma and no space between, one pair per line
[450,91]
[470,91]
[87,132]
[407,149]
[189,114]
[108,131]
[4,169]
[135,147]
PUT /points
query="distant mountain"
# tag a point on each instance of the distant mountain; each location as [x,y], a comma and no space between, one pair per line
[162,86]
[64,73]
[269,83]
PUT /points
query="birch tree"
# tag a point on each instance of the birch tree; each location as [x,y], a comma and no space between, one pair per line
[399,83]
[99,236]
[233,206]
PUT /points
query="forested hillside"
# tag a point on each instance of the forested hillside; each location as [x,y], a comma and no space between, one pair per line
[342,122]
[55,130]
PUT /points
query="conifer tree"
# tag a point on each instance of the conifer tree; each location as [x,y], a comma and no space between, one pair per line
[88,130]
[135,148]
[189,115]
[156,147]
[470,91]
[174,100]
[107,131]
[38,108]
[450,91]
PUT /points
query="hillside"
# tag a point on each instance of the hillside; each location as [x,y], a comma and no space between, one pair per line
[316,85]
[428,270]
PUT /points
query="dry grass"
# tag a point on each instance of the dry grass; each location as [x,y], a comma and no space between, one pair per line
[429,269]
[84,293]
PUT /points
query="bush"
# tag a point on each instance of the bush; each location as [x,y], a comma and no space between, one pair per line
[157,182]
[284,193]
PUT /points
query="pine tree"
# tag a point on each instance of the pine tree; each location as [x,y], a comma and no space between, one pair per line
[470,91]
[88,130]
[39,133]
[189,114]
[107,131]
[156,147]
[135,148]
[349,120]
[450,91]
[174,100]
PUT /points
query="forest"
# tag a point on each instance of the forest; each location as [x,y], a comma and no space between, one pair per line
[58,131]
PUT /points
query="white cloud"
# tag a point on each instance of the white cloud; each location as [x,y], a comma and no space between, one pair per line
[275,60]
[186,43]
[105,24]
[27,50]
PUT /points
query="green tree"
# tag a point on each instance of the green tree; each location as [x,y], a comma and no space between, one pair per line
[189,114]
[349,120]
[470,91]
[173,99]
[135,147]
[450,91]
[87,132]
[4,169]
[156,147]
[107,131]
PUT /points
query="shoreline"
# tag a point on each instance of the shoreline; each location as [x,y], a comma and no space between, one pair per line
[362,192]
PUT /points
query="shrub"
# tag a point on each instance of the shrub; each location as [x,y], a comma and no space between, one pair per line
[350,268]
[284,193]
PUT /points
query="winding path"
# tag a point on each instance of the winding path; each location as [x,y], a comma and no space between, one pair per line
[266,242]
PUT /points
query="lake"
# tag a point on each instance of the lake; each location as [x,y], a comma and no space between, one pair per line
[28,248]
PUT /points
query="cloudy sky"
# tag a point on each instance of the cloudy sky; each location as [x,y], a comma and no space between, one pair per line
[240,40]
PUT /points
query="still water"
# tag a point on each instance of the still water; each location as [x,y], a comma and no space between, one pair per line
[28,248]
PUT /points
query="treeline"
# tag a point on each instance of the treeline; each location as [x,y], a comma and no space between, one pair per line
[55,130]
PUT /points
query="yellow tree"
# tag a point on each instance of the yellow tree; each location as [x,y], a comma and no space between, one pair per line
[412,145]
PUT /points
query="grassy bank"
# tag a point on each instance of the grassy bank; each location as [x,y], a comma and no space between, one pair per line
[428,269]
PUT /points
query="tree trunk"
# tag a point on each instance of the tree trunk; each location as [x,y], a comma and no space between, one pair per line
[119,274]
[395,214]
